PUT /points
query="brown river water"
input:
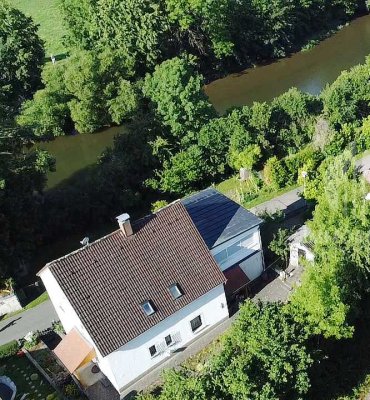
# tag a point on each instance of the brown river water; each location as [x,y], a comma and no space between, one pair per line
[309,71]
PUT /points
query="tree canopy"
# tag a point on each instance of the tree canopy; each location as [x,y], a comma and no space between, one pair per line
[21,58]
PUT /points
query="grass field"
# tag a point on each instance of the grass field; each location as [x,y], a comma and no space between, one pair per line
[46,13]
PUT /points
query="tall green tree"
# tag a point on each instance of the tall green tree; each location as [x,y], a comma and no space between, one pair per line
[22,180]
[264,356]
[339,231]
[175,89]
[21,58]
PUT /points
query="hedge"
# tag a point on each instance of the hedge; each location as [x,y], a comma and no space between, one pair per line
[9,349]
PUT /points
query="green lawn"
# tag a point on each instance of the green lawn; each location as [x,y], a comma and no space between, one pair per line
[46,13]
[19,370]
[43,297]
[232,188]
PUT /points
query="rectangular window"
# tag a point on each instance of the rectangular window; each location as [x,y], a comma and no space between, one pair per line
[168,340]
[196,323]
[152,351]
[175,291]
[148,308]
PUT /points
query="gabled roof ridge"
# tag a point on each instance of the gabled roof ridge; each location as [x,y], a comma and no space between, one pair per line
[136,222]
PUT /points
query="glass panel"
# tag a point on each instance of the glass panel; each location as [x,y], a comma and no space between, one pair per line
[148,309]
[196,323]
[152,350]
[175,291]
[221,256]
[168,340]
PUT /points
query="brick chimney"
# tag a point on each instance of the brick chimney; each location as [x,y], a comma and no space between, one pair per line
[125,224]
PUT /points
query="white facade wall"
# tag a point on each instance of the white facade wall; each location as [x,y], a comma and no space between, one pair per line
[133,359]
[250,242]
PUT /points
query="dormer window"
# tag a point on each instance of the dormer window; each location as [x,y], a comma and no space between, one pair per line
[148,308]
[175,291]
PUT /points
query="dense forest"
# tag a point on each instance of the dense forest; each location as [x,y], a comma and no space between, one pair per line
[140,63]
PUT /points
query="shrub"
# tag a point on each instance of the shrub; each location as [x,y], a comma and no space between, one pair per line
[275,173]
[71,390]
[157,205]
[9,349]
[57,327]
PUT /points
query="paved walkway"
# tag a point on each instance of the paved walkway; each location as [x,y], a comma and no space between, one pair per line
[37,318]
[288,202]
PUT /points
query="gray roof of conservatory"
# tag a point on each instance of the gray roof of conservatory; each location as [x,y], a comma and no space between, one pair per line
[217,217]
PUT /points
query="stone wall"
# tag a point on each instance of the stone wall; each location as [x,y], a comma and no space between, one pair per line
[9,304]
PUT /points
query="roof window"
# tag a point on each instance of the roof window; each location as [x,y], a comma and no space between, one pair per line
[148,308]
[175,291]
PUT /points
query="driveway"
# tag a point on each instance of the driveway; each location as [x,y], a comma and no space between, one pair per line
[37,318]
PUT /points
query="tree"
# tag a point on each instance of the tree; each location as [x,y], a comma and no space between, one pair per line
[339,231]
[181,174]
[347,99]
[280,245]
[22,180]
[264,356]
[21,57]
[137,28]
[178,98]
[90,90]
[246,158]
[48,114]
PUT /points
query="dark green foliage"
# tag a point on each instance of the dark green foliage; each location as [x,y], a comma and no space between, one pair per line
[9,349]
[21,57]
[88,92]
[22,180]
[221,33]
[264,356]
[347,99]
[176,92]
[280,245]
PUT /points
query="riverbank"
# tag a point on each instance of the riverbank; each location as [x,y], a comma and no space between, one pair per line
[309,71]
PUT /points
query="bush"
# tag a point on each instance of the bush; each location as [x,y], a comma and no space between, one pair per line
[275,173]
[9,349]
[71,390]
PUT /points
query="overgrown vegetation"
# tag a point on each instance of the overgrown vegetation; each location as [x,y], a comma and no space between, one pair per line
[9,349]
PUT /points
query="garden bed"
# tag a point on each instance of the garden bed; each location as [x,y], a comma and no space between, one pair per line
[57,375]
[27,379]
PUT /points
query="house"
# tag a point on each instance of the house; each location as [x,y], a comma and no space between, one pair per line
[231,233]
[130,299]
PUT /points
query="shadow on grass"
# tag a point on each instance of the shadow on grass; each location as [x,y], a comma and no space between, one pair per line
[346,364]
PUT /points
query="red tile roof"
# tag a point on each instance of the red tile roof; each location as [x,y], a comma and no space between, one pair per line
[107,280]
[236,279]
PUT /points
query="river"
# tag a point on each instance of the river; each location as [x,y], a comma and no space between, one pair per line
[309,71]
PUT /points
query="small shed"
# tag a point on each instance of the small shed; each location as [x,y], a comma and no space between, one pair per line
[300,246]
